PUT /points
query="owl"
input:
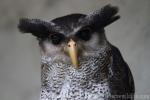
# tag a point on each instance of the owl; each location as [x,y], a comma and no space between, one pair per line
[77,60]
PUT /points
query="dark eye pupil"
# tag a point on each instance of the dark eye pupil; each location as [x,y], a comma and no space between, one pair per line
[56,39]
[84,34]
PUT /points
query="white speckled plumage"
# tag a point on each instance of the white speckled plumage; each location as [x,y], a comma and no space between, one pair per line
[102,74]
[61,81]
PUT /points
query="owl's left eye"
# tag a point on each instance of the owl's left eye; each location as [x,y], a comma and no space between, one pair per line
[57,38]
[84,34]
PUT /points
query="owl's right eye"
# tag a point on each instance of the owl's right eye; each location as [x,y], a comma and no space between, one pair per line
[84,34]
[56,38]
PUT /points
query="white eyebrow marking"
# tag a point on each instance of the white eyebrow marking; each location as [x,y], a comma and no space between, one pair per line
[76,30]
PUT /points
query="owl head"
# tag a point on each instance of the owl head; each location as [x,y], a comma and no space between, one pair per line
[72,36]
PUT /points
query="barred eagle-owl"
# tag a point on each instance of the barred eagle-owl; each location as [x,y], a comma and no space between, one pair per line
[78,62]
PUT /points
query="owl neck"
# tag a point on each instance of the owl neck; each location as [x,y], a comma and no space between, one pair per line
[100,62]
[93,69]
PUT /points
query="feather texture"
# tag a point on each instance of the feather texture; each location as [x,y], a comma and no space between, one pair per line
[102,17]
[37,27]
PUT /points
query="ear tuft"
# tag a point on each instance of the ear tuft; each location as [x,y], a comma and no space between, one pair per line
[108,14]
[103,16]
[36,27]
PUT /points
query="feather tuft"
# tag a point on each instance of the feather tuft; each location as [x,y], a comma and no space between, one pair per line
[36,27]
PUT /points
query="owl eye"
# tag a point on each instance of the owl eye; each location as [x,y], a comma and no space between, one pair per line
[56,38]
[84,34]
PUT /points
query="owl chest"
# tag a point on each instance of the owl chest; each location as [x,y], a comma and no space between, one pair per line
[66,83]
[69,89]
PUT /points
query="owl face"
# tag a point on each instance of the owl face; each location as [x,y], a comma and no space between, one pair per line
[73,36]
[70,33]
[83,41]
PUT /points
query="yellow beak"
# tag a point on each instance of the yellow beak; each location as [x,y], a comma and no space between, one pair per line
[73,52]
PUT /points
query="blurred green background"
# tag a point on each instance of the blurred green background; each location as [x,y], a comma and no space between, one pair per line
[20,56]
